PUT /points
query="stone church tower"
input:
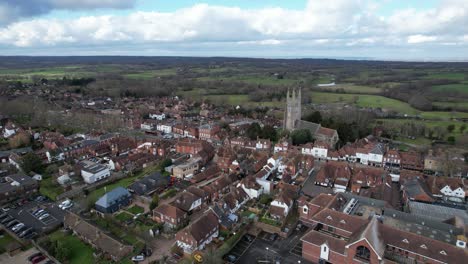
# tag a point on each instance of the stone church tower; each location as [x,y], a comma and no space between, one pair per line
[293,108]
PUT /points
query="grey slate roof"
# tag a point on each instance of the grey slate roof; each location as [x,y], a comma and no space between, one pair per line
[302,124]
[149,184]
[109,198]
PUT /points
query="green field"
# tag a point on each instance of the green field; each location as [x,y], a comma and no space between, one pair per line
[455,105]
[371,101]
[447,75]
[253,79]
[351,88]
[50,188]
[79,251]
[458,87]
[443,115]
[151,74]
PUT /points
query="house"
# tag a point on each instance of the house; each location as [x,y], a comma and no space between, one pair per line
[208,131]
[233,200]
[170,215]
[148,185]
[198,234]
[164,127]
[332,171]
[187,202]
[97,238]
[415,189]
[282,204]
[209,173]
[309,207]
[452,189]
[392,159]
[17,186]
[157,116]
[93,172]
[337,237]
[263,144]
[224,158]
[112,201]
[186,169]
[412,160]
[434,161]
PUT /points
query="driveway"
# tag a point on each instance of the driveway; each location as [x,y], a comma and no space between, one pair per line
[21,258]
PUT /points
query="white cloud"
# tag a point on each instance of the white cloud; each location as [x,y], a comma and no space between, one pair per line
[329,24]
[414,39]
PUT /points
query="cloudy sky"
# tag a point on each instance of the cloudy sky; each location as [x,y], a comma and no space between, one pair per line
[379,29]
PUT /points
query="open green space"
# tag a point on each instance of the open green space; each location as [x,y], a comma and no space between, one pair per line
[151,74]
[447,75]
[80,252]
[455,105]
[136,209]
[123,216]
[352,88]
[50,188]
[5,240]
[457,87]
[253,79]
[443,115]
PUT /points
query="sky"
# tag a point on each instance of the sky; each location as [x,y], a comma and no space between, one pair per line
[367,29]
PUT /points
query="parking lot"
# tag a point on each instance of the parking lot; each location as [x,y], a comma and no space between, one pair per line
[239,249]
[264,250]
[48,216]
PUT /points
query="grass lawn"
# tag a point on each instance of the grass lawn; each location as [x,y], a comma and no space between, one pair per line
[454,105]
[443,115]
[123,217]
[96,194]
[372,101]
[136,210]
[50,188]
[80,252]
[253,79]
[152,74]
[417,141]
[5,239]
[447,75]
[457,87]
[351,88]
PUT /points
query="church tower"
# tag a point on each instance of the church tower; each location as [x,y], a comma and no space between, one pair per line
[292,113]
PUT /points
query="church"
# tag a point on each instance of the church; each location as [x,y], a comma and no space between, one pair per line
[292,120]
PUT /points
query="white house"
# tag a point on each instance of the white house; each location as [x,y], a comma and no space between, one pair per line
[457,192]
[285,203]
[320,151]
[147,126]
[9,131]
[93,172]
[165,128]
[160,116]
[307,149]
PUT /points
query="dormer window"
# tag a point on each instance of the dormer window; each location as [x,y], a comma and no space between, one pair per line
[329,218]
[305,209]
[343,221]
[423,246]
[443,253]
[405,241]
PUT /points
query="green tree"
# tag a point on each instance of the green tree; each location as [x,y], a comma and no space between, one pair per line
[315,117]
[462,128]
[254,131]
[451,140]
[270,133]
[301,136]
[450,128]
[62,252]
[31,162]
[165,163]
[154,202]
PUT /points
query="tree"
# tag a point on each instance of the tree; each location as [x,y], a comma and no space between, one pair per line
[301,136]
[165,163]
[450,128]
[254,131]
[451,140]
[462,128]
[154,202]
[31,162]
[269,132]
[62,252]
[315,117]
[21,139]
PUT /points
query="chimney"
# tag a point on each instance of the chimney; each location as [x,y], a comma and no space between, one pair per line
[461,241]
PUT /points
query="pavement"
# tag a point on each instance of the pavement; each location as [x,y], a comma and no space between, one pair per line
[263,250]
[20,258]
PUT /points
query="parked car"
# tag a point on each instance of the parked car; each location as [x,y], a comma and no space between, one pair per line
[3,214]
[6,219]
[273,237]
[44,216]
[16,227]
[19,230]
[138,258]
[38,259]
[298,227]
[38,212]
[30,258]
[12,223]
[231,258]
[30,235]
[66,206]
[25,232]
[249,238]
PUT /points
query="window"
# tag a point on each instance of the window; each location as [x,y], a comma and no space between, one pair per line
[363,253]
[305,209]
[330,229]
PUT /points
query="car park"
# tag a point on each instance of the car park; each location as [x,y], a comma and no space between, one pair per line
[12,223]
[25,232]
[273,237]
[20,229]
[39,212]
[66,206]
[231,258]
